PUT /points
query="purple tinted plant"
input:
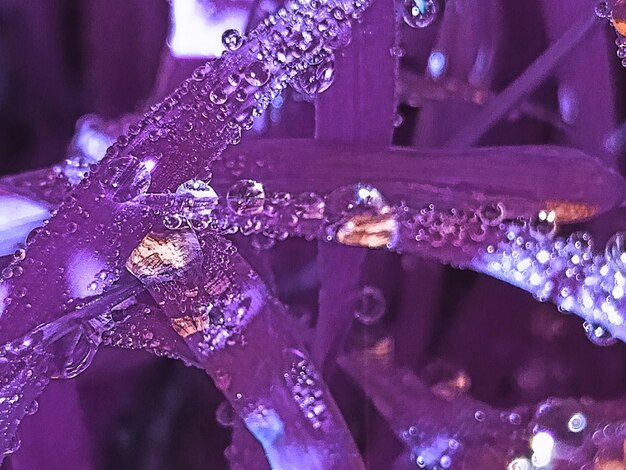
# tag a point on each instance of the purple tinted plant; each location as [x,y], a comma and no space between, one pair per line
[135,255]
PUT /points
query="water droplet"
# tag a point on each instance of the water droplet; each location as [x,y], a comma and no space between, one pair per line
[79,354]
[603,10]
[615,251]
[232,39]
[543,225]
[246,197]
[258,74]
[343,202]
[126,178]
[420,13]
[218,96]
[32,408]
[310,206]
[225,414]
[396,51]
[618,17]
[491,214]
[316,78]
[577,422]
[370,305]
[598,335]
[198,189]
[479,416]
[19,254]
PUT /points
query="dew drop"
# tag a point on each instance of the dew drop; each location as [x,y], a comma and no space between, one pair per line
[316,78]
[491,214]
[126,178]
[197,189]
[615,251]
[598,335]
[370,305]
[232,39]
[543,225]
[258,74]
[225,414]
[246,197]
[420,13]
[344,201]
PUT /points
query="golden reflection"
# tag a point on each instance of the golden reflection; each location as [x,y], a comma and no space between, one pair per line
[570,211]
[163,255]
[371,230]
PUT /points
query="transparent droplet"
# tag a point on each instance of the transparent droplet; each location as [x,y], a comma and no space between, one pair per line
[615,251]
[598,335]
[343,202]
[79,354]
[618,17]
[603,10]
[370,305]
[32,408]
[246,197]
[197,189]
[225,414]
[218,96]
[258,74]
[126,178]
[577,422]
[316,78]
[491,214]
[310,206]
[232,39]
[420,13]
[543,225]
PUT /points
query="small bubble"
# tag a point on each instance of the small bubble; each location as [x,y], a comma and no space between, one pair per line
[370,305]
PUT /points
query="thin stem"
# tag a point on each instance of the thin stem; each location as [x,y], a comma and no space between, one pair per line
[525,84]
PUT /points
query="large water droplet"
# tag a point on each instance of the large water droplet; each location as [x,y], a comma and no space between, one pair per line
[258,74]
[370,305]
[231,39]
[126,178]
[343,202]
[420,13]
[246,197]
[598,335]
[316,78]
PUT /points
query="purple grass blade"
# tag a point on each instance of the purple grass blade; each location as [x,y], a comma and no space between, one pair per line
[241,336]
[358,109]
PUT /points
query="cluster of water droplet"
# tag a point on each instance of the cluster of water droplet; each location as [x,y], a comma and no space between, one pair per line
[88,146]
[616,15]
[565,271]
[437,454]
[306,386]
